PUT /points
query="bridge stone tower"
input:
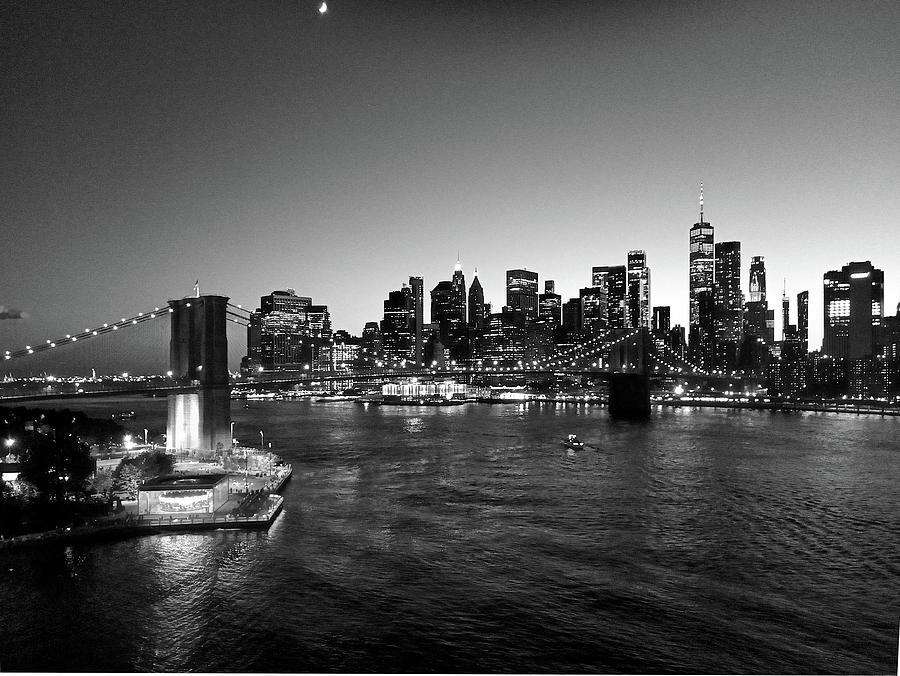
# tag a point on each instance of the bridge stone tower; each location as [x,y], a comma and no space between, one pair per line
[198,358]
[629,391]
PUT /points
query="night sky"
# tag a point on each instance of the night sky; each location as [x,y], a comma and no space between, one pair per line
[260,145]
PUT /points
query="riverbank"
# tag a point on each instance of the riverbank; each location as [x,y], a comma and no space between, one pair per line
[131,525]
[857,408]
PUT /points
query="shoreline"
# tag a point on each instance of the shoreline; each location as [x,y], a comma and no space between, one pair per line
[135,526]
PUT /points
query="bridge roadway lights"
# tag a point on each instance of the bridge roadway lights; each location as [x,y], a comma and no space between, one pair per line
[629,396]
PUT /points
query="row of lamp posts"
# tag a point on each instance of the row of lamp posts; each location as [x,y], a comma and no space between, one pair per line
[262,441]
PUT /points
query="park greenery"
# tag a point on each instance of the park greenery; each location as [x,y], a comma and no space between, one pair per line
[58,485]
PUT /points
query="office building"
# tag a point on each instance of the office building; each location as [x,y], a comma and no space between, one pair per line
[448,312]
[398,326]
[550,306]
[702,338]
[785,313]
[638,296]
[803,320]
[662,318]
[280,336]
[702,264]
[759,320]
[593,310]
[614,278]
[729,310]
[522,292]
[757,279]
[571,315]
[853,301]
[477,316]
[458,287]
[417,287]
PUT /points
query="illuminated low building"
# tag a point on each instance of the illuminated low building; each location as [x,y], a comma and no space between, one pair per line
[429,389]
[171,495]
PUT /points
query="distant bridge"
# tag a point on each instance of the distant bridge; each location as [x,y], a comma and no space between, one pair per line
[198,384]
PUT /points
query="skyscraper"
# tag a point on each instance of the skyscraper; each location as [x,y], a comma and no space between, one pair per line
[593,310]
[662,318]
[854,301]
[279,332]
[702,263]
[444,311]
[615,279]
[729,306]
[549,305]
[759,320]
[757,279]
[638,290]
[522,292]
[417,285]
[476,305]
[458,284]
[448,312]
[803,320]
[571,315]
[785,313]
[398,325]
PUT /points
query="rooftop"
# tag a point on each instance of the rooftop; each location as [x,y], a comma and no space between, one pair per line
[183,481]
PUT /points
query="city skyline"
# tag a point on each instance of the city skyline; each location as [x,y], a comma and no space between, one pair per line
[288,149]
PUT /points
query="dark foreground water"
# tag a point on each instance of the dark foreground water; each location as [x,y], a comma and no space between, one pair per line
[468,539]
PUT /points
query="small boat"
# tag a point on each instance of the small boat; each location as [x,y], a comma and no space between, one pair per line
[123,415]
[573,442]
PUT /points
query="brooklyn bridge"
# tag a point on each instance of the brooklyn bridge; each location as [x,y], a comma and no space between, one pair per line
[199,387]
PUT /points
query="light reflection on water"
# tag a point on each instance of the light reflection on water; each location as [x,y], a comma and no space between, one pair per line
[468,539]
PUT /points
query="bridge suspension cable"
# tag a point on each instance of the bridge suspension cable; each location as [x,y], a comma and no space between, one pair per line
[237,314]
[590,348]
[87,334]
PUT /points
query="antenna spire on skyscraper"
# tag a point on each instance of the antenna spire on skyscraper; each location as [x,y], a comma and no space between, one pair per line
[701,201]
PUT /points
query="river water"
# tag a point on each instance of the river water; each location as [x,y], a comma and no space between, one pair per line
[467,539]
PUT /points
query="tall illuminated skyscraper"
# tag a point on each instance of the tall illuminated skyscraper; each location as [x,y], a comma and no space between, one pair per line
[280,336]
[522,292]
[593,310]
[417,285]
[785,312]
[476,305]
[550,303]
[458,283]
[638,315]
[854,300]
[759,320]
[757,279]
[702,263]
[729,302]
[398,325]
[662,318]
[615,279]
[803,320]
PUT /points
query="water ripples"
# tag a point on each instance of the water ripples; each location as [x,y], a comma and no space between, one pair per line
[468,539]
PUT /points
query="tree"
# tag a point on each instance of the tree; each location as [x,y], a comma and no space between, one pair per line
[151,463]
[55,466]
[103,483]
[132,472]
[128,478]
